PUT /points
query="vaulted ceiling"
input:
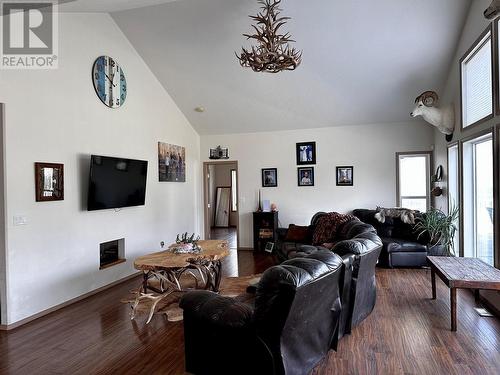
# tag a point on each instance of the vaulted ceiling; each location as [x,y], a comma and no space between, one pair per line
[364,61]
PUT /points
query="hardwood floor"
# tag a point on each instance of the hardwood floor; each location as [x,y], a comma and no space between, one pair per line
[407,333]
[228,234]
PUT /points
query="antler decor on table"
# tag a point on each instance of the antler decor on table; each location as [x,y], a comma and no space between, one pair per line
[273,53]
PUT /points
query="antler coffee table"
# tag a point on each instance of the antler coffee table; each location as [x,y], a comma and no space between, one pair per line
[167,268]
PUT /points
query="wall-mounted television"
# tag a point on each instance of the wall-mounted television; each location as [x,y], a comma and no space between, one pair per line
[116,183]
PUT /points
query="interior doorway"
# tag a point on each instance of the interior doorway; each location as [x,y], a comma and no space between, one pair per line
[221,201]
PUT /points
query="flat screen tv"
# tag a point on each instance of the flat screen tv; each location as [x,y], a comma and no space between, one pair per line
[116,183]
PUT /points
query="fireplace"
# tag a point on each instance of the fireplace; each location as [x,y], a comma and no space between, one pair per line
[111,253]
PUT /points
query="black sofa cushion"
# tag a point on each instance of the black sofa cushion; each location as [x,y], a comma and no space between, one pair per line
[396,245]
[402,246]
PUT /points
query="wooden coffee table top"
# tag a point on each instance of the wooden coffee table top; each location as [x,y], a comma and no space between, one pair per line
[212,250]
[470,273]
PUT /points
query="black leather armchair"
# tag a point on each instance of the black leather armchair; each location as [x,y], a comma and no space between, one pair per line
[359,246]
[291,327]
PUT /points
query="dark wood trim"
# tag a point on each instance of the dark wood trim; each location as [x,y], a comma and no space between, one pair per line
[431,166]
[9,327]
[467,56]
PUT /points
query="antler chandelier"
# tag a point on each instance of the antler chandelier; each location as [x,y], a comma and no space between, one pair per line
[273,53]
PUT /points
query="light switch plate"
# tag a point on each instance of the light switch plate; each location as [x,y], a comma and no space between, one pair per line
[20,220]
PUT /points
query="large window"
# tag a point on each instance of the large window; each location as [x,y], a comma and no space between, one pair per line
[477,81]
[478,198]
[453,189]
[413,171]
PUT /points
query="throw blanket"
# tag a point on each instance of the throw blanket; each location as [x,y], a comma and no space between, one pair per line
[328,226]
[407,216]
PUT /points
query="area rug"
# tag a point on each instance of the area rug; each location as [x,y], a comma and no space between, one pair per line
[234,287]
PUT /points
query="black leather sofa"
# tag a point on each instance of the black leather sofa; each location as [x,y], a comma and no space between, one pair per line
[291,327]
[359,246]
[401,245]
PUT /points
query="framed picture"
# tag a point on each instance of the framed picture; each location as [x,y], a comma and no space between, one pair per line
[306,153]
[270,177]
[305,176]
[171,163]
[49,182]
[345,176]
[269,247]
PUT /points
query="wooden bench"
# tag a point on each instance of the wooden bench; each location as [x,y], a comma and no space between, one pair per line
[462,273]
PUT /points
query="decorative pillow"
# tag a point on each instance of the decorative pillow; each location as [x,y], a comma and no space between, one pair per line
[297,233]
[326,228]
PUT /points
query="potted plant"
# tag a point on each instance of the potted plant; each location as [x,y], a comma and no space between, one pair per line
[440,229]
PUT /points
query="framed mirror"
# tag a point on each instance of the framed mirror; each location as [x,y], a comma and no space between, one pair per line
[49,182]
[223,201]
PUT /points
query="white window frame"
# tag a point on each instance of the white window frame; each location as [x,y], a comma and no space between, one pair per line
[486,36]
[427,197]
[472,204]
[457,202]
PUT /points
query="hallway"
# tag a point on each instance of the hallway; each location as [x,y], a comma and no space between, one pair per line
[229,234]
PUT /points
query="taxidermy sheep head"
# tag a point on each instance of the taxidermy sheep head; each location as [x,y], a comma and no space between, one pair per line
[492,10]
[441,118]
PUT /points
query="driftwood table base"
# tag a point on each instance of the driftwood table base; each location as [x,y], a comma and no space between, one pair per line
[166,270]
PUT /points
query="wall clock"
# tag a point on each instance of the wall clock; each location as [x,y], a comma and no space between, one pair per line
[109,82]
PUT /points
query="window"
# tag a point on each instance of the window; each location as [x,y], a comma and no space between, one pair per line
[413,175]
[234,190]
[453,189]
[478,198]
[477,81]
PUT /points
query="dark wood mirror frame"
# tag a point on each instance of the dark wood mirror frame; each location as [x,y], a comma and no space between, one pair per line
[58,182]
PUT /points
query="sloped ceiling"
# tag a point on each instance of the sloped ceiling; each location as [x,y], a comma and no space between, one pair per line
[106,6]
[364,61]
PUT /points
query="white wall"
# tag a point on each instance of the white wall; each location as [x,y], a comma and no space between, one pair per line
[369,148]
[474,26]
[55,116]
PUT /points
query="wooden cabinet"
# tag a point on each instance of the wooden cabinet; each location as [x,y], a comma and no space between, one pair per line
[265,226]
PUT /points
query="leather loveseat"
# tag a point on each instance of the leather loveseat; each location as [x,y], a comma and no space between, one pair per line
[293,323]
[401,245]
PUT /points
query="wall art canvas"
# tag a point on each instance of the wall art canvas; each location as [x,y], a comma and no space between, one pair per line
[305,176]
[171,162]
[345,176]
[49,182]
[306,153]
[270,177]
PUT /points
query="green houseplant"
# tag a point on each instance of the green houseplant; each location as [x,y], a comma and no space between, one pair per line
[440,229]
